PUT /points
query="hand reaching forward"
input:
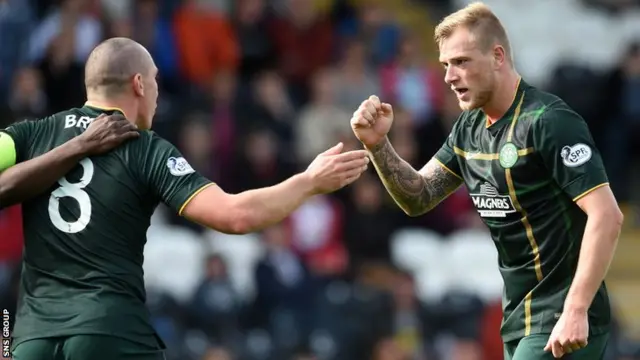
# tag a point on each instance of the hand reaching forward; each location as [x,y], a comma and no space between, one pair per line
[372,121]
[333,169]
[105,133]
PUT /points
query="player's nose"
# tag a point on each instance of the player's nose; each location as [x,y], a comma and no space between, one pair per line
[451,75]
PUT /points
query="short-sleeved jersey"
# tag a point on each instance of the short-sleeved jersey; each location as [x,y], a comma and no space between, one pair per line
[525,173]
[84,238]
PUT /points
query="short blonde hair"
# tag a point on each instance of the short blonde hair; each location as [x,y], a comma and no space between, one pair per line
[481,21]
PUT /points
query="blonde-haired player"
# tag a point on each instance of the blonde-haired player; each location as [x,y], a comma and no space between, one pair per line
[536,179]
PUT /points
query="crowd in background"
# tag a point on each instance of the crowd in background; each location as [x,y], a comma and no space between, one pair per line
[250,92]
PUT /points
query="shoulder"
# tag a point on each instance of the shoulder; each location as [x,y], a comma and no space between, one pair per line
[544,108]
[149,144]
[467,120]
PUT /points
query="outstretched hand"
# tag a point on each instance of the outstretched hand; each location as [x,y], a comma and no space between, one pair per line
[333,169]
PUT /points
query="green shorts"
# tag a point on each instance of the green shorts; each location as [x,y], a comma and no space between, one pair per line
[532,348]
[84,347]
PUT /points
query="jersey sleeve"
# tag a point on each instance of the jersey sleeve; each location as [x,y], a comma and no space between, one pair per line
[21,135]
[446,156]
[7,151]
[166,172]
[567,149]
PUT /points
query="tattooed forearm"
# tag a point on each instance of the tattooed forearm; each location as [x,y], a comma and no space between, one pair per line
[415,192]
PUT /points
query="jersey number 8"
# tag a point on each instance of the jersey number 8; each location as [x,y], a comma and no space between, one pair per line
[76,192]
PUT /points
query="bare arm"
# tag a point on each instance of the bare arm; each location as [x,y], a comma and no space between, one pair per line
[251,210]
[30,178]
[254,210]
[598,246]
[20,182]
[416,192]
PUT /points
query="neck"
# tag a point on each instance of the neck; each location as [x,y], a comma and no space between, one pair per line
[503,96]
[103,103]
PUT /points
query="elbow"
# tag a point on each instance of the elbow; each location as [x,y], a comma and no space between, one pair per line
[239,226]
[610,217]
[618,217]
[240,220]
[413,211]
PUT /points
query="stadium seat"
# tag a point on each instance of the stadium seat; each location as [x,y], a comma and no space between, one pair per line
[415,249]
[241,253]
[173,260]
[422,253]
[474,264]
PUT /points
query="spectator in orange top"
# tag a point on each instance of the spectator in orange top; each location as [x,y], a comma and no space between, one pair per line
[206,42]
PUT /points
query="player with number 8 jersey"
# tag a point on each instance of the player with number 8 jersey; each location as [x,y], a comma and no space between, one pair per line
[82,293]
[76,260]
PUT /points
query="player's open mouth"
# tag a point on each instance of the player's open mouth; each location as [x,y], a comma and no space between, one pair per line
[460,91]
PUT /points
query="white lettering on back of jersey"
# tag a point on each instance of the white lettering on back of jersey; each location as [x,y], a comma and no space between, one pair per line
[73,121]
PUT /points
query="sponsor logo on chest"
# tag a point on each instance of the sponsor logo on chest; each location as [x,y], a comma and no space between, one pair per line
[490,204]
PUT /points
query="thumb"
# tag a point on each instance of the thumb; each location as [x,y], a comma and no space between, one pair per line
[337,149]
[387,109]
[548,346]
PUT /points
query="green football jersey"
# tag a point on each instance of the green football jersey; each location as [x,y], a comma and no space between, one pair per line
[84,238]
[525,173]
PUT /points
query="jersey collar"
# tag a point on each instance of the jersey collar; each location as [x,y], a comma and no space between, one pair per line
[102,109]
[522,85]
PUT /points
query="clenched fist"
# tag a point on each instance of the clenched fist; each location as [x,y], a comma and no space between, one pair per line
[372,121]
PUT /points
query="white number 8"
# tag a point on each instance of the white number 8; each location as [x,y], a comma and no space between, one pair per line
[76,192]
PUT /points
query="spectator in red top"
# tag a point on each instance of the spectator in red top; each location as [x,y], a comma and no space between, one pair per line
[304,41]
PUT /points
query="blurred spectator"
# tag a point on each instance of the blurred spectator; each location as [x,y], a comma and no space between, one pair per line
[317,229]
[259,164]
[273,110]
[225,124]
[409,82]
[354,80]
[390,350]
[303,40]
[206,42]
[368,223]
[373,24]
[59,46]
[621,98]
[256,47]
[27,101]
[321,123]
[408,328]
[156,34]
[215,307]
[217,354]
[285,289]
[16,24]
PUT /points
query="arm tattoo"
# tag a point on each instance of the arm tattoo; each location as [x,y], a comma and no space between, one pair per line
[415,192]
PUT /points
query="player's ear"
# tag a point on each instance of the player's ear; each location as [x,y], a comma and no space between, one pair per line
[499,56]
[138,85]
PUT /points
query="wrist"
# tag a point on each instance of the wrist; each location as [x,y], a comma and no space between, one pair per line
[78,147]
[306,183]
[379,145]
[574,307]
